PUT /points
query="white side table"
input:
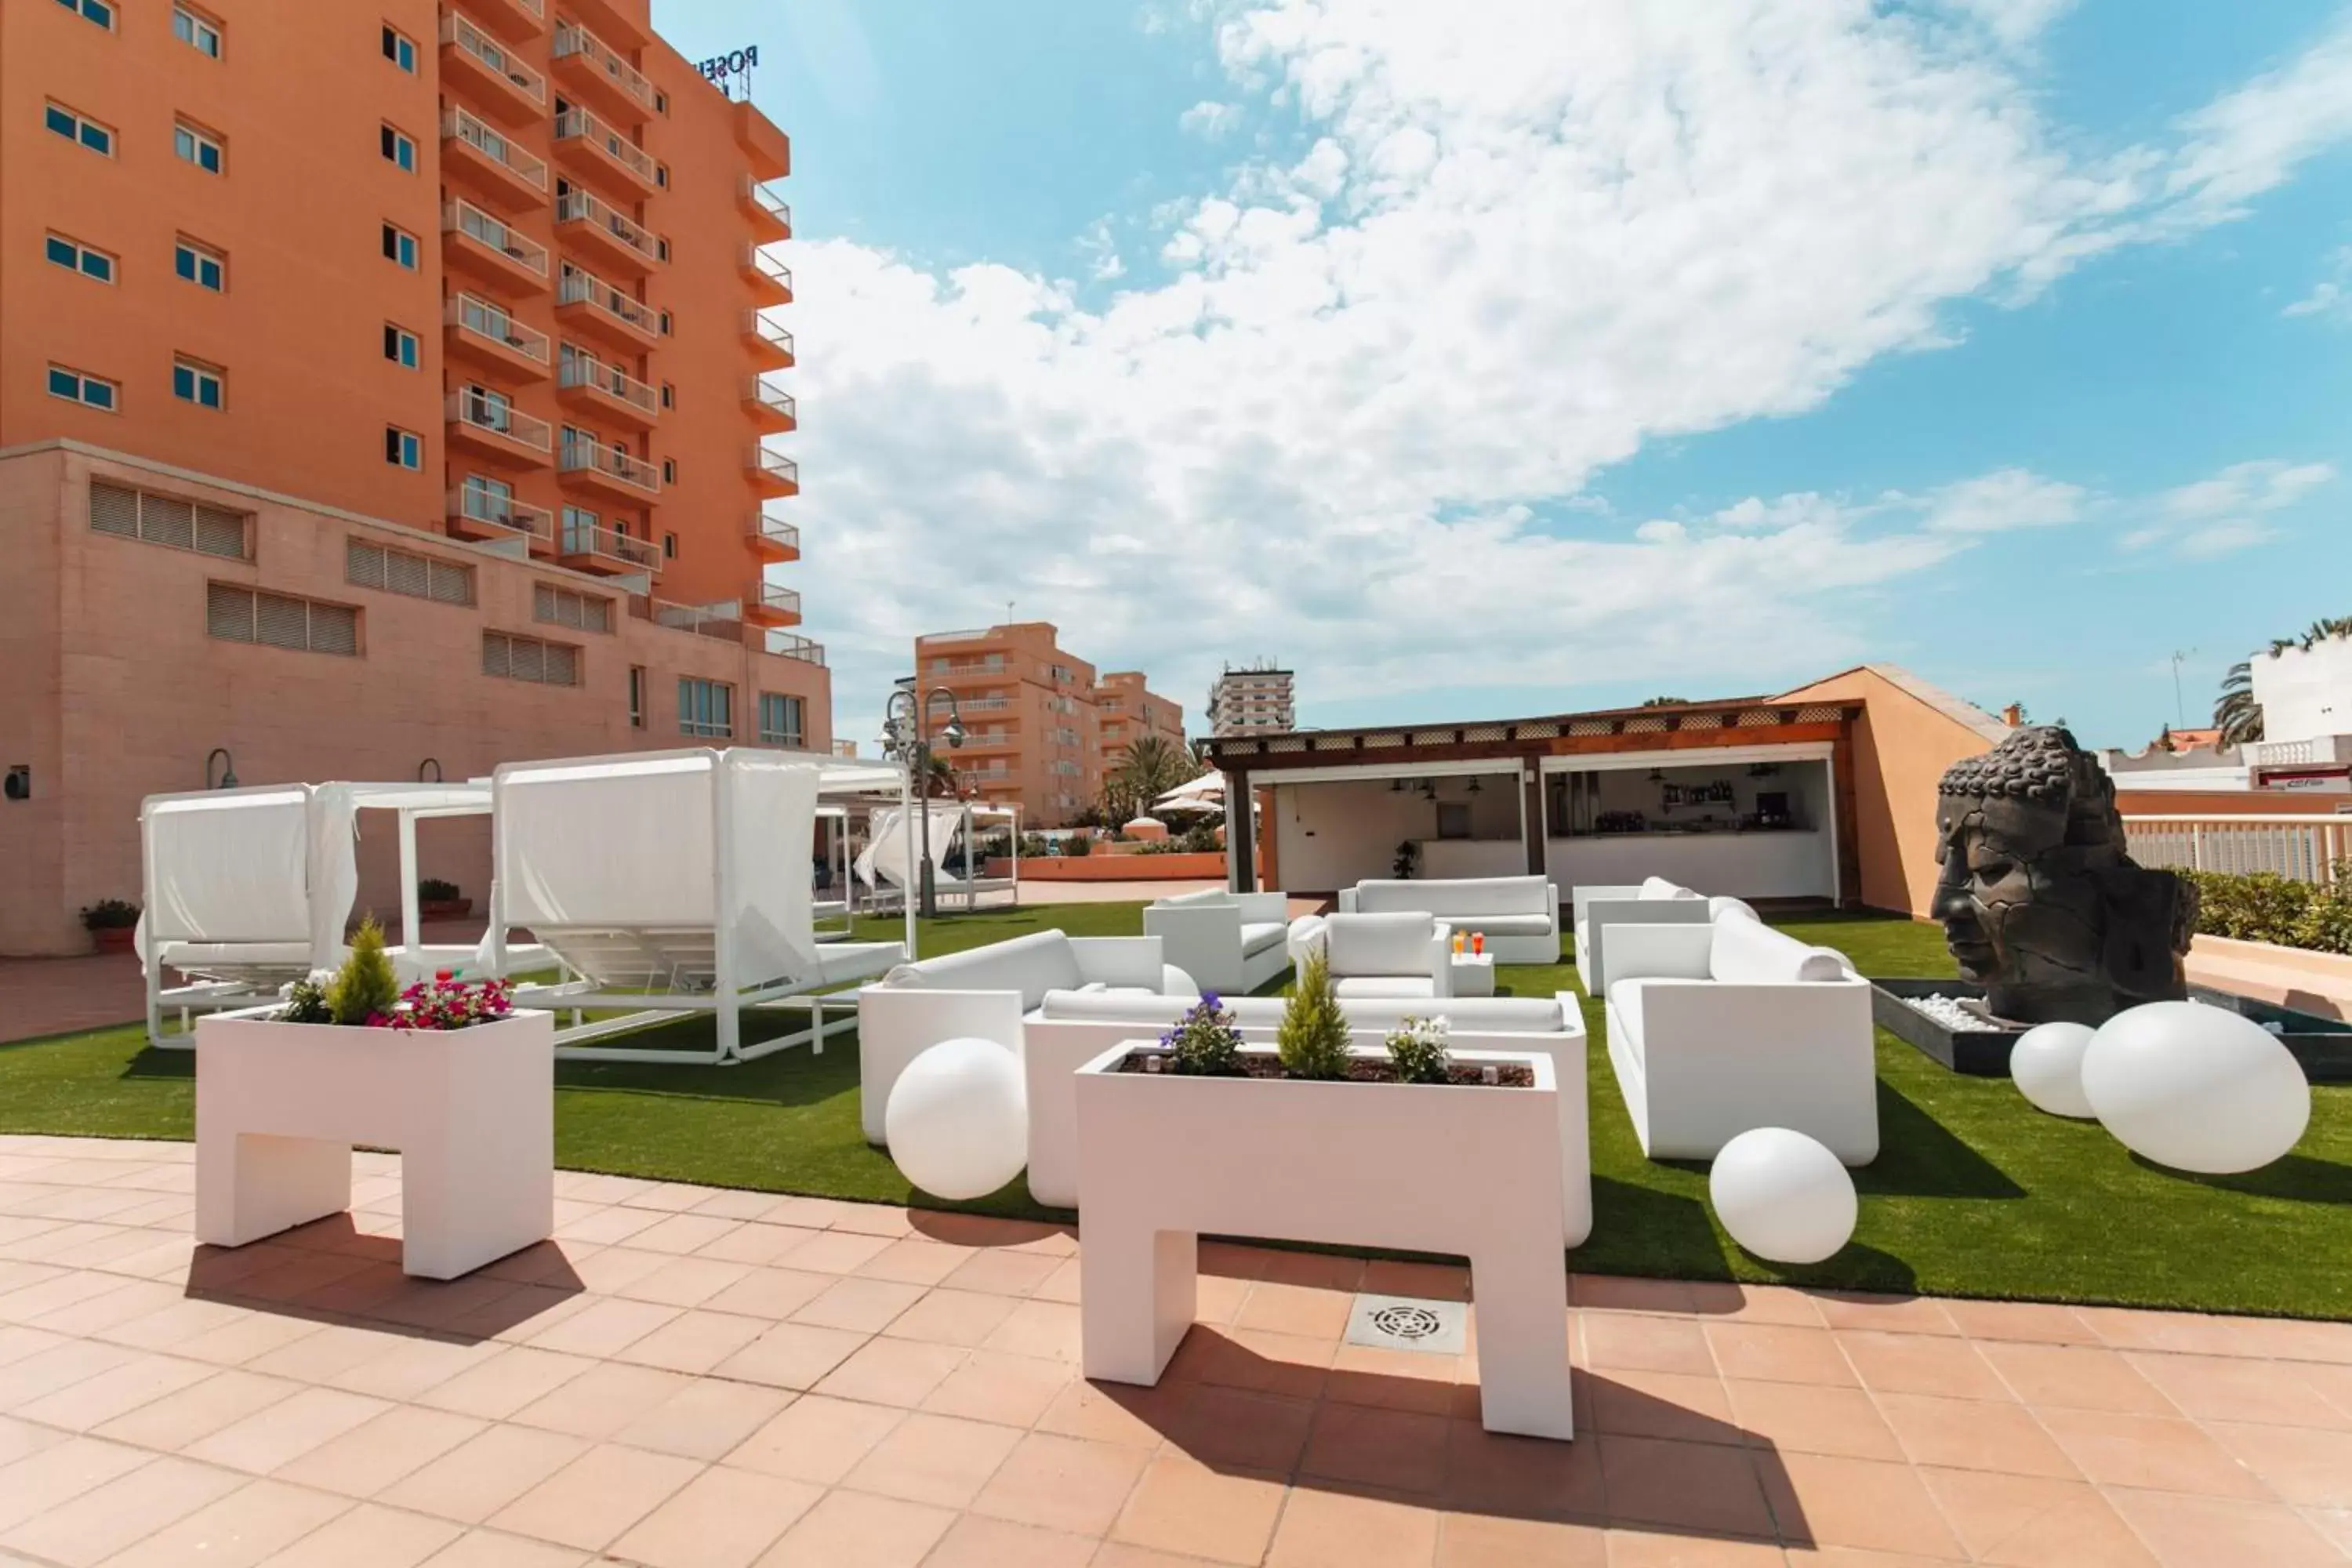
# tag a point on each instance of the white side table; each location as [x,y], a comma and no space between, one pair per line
[1474,973]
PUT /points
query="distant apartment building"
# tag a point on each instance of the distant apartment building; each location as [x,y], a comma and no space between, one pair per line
[1256,700]
[1041,728]
[385,390]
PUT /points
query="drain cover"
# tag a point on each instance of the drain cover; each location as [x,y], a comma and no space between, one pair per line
[1407,1324]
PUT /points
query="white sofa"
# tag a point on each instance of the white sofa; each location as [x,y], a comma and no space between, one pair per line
[1231,943]
[1398,955]
[1518,916]
[1071,1029]
[981,992]
[1717,1029]
[1595,907]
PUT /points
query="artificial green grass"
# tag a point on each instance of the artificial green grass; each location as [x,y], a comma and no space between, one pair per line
[1974,1192]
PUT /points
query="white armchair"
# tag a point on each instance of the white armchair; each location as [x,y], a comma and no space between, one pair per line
[982,992]
[1518,916]
[1717,1029]
[1385,954]
[1596,907]
[1230,942]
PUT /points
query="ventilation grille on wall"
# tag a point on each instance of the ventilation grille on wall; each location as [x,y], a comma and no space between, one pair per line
[513,657]
[369,565]
[165,519]
[562,607]
[237,613]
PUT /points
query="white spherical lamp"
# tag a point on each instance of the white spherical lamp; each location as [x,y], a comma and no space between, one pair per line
[2046,1064]
[958,1119]
[2196,1088]
[1782,1195]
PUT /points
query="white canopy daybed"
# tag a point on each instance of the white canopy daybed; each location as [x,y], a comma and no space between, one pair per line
[888,869]
[670,882]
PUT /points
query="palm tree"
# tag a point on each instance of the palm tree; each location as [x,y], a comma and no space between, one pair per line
[939,779]
[1150,768]
[2235,713]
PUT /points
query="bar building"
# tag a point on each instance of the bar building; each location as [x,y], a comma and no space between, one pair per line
[387,389]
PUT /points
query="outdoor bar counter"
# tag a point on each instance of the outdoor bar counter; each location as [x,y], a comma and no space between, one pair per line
[1747,863]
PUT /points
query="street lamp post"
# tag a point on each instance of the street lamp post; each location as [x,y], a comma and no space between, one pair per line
[906,737]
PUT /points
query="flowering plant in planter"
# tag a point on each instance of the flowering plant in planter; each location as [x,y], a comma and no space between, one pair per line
[1417,1050]
[1205,1041]
[445,1001]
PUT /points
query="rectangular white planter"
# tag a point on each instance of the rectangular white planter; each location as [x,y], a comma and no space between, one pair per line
[1429,1168]
[472,1113]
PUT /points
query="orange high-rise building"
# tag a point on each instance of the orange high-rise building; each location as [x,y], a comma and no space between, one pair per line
[386,387]
[1127,711]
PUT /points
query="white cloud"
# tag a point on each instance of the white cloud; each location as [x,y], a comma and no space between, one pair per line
[2246,487]
[2251,141]
[2223,539]
[1101,248]
[2332,295]
[2013,23]
[1209,119]
[1526,240]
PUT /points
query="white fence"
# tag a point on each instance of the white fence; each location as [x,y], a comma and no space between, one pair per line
[2300,848]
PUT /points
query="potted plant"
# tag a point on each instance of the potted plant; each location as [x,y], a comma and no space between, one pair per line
[446,1070]
[112,924]
[1406,861]
[440,901]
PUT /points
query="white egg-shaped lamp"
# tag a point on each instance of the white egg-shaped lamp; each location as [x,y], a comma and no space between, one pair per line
[2046,1064]
[2197,1087]
[958,1119]
[1782,1195]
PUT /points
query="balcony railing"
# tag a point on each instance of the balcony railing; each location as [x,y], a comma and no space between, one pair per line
[578,125]
[494,144]
[494,57]
[586,370]
[485,320]
[574,41]
[579,537]
[762,196]
[982,704]
[772,531]
[765,464]
[481,413]
[466,218]
[581,457]
[757,263]
[791,645]
[494,511]
[780,601]
[779,403]
[2300,849]
[581,207]
[581,286]
[757,326]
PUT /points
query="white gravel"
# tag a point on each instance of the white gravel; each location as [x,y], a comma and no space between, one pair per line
[1946,1010]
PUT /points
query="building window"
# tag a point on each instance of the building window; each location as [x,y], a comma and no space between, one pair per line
[400,346]
[402,449]
[564,607]
[636,697]
[670,395]
[368,565]
[75,126]
[237,613]
[97,11]
[780,719]
[704,708]
[198,31]
[512,657]
[202,148]
[399,148]
[400,48]
[91,391]
[200,264]
[400,246]
[665,324]
[193,381]
[75,256]
[669,470]
[152,518]
[669,546]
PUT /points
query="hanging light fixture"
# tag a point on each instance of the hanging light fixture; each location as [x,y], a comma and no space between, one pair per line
[1476,788]
[1396,786]
[1657,776]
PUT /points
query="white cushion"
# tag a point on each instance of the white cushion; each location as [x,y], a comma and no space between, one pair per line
[1207,896]
[1502,925]
[1716,908]
[1659,888]
[1033,964]
[1379,944]
[1385,985]
[1626,1010]
[1446,897]
[1259,935]
[1744,952]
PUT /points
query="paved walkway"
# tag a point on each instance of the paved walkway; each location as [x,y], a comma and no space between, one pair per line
[691,1378]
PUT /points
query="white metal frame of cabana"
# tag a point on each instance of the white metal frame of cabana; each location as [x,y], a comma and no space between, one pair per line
[883,898]
[160,926]
[836,961]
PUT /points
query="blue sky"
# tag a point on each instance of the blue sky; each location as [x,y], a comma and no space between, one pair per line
[1488,359]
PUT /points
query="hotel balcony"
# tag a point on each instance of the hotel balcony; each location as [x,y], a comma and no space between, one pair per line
[722,621]
[491,162]
[772,474]
[593,466]
[480,514]
[592,547]
[474,241]
[791,645]
[486,333]
[498,430]
[608,233]
[771,345]
[771,279]
[769,606]
[596,150]
[512,19]
[587,382]
[612,18]
[503,84]
[586,302]
[769,150]
[771,409]
[772,539]
[596,69]
[771,215]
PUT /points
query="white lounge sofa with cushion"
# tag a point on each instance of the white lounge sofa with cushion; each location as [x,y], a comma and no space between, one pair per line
[1231,943]
[1595,907]
[982,993]
[1071,1029]
[1518,916]
[1397,955]
[1717,1029]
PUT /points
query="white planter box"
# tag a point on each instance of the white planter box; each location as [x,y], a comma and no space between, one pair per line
[472,1111]
[1459,1170]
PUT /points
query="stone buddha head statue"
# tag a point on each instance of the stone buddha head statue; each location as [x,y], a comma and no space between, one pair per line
[2039,903]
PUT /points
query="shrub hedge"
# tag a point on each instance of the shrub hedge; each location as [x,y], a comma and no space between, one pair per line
[2266,907]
